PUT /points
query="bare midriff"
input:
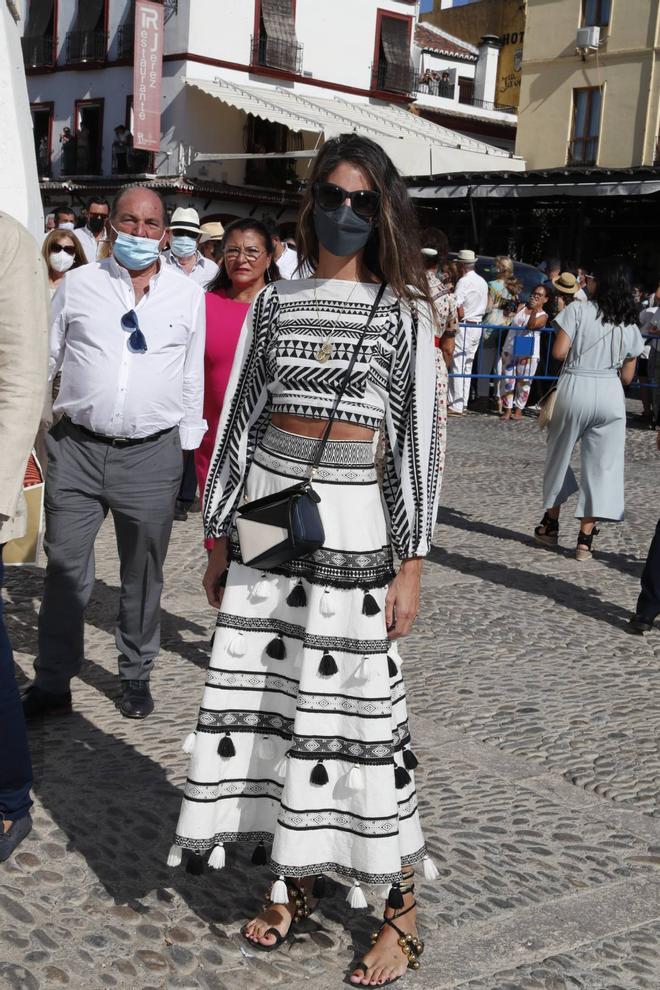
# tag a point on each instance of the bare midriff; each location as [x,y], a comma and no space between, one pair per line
[305,427]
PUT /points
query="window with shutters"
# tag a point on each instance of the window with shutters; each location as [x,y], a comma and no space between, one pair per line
[465,89]
[88,39]
[89,137]
[596,13]
[39,40]
[42,129]
[126,32]
[274,44]
[264,137]
[393,71]
[585,135]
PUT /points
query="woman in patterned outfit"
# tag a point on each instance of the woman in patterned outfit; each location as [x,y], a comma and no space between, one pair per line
[302,741]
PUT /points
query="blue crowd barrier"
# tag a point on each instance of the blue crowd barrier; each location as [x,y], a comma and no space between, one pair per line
[496,351]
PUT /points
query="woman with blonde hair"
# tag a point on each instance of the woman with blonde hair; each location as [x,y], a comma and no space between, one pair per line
[62,252]
[502,303]
[302,741]
[521,352]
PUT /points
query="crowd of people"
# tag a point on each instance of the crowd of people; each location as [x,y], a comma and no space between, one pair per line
[304,394]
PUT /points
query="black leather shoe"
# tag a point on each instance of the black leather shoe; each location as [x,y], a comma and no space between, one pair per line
[136,700]
[638,625]
[38,703]
[180,511]
[14,836]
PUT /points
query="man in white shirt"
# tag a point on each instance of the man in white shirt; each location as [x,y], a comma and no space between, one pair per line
[185,235]
[286,259]
[128,337]
[472,302]
[183,255]
[94,233]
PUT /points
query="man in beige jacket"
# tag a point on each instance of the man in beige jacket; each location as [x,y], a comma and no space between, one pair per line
[23,374]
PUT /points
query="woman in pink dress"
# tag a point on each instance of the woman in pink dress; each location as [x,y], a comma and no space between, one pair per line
[247,266]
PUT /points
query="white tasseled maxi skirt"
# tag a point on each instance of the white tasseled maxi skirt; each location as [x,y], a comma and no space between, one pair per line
[302,740]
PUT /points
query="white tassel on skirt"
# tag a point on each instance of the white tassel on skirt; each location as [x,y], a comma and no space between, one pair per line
[279,893]
[217,857]
[174,856]
[356,898]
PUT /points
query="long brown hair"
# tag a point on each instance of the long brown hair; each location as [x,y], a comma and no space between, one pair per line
[393,251]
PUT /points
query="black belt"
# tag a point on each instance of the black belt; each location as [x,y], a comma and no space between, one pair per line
[120,441]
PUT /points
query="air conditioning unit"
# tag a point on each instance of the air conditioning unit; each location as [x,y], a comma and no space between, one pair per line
[587,37]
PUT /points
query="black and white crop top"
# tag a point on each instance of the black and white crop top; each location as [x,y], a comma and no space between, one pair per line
[277,369]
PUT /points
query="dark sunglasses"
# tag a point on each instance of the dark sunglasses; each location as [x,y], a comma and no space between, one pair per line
[56,248]
[364,202]
[129,322]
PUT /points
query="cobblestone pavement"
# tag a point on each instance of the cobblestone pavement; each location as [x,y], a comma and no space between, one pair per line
[536,721]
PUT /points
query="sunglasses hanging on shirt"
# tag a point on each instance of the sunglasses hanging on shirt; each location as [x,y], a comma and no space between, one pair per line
[364,202]
[136,341]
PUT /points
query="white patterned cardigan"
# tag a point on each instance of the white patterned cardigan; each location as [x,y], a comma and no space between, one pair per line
[393,384]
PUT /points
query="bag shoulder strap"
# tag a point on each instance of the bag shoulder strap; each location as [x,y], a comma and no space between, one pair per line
[344,383]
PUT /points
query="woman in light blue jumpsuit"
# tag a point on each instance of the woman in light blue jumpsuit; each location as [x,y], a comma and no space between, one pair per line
[600,344]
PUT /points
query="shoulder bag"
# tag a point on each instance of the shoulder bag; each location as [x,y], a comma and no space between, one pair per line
[286,525]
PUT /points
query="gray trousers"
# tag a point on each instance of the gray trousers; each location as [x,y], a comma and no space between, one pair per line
[591,408]
[86,479]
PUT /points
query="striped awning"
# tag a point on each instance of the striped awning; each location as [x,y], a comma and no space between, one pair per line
[416,145]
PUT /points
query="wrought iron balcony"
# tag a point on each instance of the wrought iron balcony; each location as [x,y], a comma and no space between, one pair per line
[388,77]
[434,87]
[38,51]
[86,46]
[277,53]
[489,105]
[126,40]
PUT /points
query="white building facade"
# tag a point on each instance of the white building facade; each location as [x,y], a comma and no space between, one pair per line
[242,80]
[457,84]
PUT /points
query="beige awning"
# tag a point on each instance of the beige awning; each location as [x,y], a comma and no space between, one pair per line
[417,146]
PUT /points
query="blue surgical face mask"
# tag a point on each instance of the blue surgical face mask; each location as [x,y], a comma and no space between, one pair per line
[183,245]
[135,253]
[66,225]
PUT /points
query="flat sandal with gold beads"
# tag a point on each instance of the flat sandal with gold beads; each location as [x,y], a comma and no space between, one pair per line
[303,911]
[410,945]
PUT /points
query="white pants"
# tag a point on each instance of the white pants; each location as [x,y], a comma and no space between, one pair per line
[467,342]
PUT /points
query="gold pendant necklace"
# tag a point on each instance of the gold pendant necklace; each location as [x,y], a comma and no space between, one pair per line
[326,350]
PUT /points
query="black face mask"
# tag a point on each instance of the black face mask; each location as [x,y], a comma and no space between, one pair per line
[341,232]
[96,224]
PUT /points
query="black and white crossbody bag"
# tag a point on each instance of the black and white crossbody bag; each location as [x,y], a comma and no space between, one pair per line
[287,524]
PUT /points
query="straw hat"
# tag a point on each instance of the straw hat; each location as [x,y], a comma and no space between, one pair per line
[466,256]
[566,283]
[212,231]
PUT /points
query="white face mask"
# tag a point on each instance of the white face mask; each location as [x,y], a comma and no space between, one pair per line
[66,225]
[60,261]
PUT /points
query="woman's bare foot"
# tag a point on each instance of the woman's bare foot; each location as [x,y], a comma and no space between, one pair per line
[506,416]
[386,960]
[277,916]
[518,414]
